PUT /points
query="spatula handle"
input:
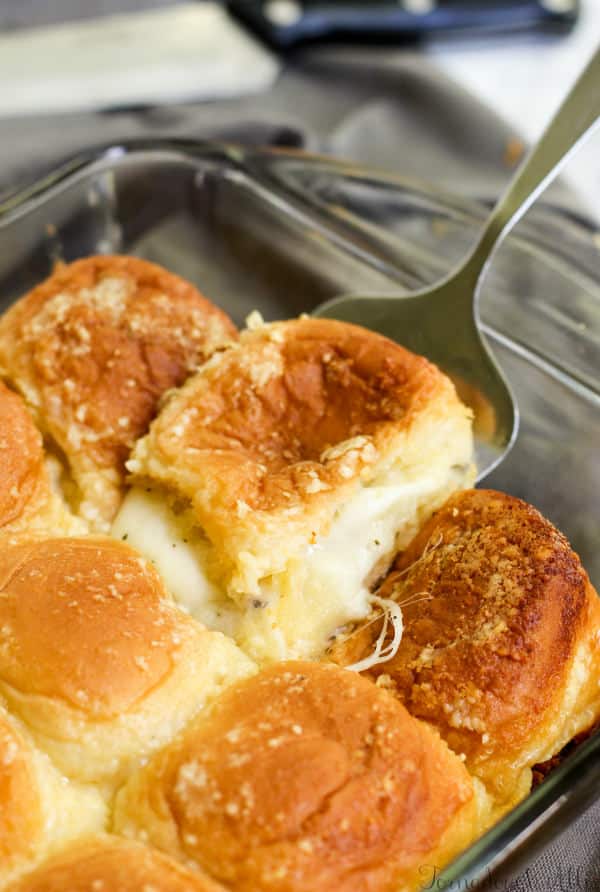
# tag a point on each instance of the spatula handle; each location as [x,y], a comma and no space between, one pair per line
[576,118]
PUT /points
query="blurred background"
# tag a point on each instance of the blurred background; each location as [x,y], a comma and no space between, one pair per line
[446,90]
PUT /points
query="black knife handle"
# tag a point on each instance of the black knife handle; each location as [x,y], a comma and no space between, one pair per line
[284,23]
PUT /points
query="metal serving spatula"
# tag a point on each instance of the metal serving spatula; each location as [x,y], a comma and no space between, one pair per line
[441,322]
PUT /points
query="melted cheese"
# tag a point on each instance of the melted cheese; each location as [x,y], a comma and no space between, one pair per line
[331,584]
[147,523]
[328,586]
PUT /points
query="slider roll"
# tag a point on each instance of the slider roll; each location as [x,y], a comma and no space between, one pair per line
[96,660]
[287,471]
[501,642]
[28,504]
[304,777]
[39,809]
[93,349]
[105,863]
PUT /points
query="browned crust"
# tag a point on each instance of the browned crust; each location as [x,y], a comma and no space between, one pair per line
[541,770]
[495,604]
[256,426]
[110,864]
[94,347]
[305,776]
[84,623]
[21,814]
[23,481]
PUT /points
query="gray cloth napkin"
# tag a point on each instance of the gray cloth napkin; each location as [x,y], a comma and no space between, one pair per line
[388,109]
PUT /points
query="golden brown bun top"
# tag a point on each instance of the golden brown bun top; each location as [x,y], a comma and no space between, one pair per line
[494,601]
[21,458]
[308,777]
[20,813]
[84,621]
[95,346]
[110,864]
[293,409]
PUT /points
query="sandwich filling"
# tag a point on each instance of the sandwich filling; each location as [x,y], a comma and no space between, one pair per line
[299,609]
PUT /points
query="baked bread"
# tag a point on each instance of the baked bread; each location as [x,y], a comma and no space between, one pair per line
[96,660]
[501,642]
[111,864]
[38,808]
[275,486]
[272,492]
[27,500]
[92,349]
[305,776]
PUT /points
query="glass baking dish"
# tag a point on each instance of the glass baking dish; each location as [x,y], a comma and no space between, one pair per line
[283,231]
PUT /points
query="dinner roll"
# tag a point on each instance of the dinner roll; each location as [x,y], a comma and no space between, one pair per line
[275,485]
[38,808]
[27,501]
[305,776]
[501,642]
[92,349]
[110,864]
[95,660]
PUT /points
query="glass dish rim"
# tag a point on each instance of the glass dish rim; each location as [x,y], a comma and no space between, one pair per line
[571,787]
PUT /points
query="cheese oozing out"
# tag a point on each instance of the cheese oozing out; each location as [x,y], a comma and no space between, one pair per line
[180,554]
[329,585]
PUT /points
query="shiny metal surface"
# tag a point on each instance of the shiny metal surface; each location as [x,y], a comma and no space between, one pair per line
[283,233]
[441,322]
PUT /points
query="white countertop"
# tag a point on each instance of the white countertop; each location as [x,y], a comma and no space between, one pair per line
[524,81]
